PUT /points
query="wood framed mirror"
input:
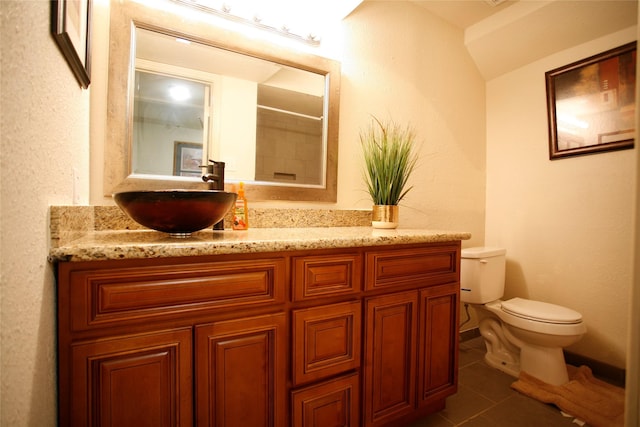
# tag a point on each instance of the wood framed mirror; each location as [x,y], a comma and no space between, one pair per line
[133,24]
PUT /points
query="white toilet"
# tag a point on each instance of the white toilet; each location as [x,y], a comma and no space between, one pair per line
[519,334]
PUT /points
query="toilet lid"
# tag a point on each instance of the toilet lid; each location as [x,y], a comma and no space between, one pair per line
[541,311]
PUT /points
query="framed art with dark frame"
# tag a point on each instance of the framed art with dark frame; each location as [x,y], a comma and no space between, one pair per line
[187,158]
[71,28]
[591,104]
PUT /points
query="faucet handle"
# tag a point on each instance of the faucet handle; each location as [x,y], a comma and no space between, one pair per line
[213,164]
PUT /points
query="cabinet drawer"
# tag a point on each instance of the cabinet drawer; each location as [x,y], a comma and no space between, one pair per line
[102,297]
[334,403]
[317,276]
[326,341]
[418,266]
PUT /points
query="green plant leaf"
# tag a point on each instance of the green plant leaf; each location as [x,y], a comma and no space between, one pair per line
[389,160]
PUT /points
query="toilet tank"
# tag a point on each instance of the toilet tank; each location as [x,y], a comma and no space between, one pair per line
[482,274]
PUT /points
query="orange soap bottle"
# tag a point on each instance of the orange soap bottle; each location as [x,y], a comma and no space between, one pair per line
[241,211]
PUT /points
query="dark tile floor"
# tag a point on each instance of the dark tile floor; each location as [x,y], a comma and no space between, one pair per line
[485,398]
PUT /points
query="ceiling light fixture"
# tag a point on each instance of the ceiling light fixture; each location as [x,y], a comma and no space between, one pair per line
[226,11]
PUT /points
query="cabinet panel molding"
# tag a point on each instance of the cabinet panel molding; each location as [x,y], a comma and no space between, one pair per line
[419,266]
[326,275]
[241,372]
[334,403]
[137,294]
[390,357]
[438,344]
[118,374]
[326,341]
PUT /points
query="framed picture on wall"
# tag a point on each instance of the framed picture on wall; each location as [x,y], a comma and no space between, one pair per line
[71,28]
[591,104]
[187,158]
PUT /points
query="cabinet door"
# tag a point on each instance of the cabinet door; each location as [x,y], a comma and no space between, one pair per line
[390,357]
[333,403]
[326,341]
[438,344]
[241,372]
[137,381]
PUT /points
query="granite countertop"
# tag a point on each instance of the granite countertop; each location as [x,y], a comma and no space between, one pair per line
[125,244]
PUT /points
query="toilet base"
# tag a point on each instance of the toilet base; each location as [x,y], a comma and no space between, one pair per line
[505,366]
[510,350]
[501,354]
[545,363]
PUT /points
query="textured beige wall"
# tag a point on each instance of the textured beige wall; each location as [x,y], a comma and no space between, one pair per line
[566,224]
[401,62]
[44,138]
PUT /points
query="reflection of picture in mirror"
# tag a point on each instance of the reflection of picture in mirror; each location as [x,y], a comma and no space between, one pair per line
[166,109]
[187,159]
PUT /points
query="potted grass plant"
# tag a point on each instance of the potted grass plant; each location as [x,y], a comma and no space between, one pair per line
[389,160]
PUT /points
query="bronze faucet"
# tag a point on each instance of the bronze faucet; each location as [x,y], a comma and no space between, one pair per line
[214,177]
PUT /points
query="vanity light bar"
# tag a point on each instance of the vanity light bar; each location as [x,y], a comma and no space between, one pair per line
[225,12]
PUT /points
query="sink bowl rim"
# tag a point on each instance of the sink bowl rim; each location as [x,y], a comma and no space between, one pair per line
[172,190]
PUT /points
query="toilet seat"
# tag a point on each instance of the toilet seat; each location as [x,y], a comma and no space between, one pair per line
[534,325]
[541,311]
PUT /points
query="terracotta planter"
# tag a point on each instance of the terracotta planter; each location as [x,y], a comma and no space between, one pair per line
[385,216]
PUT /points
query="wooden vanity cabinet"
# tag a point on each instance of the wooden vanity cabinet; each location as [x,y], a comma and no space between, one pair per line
[320,338]
[411,335]
[144,342]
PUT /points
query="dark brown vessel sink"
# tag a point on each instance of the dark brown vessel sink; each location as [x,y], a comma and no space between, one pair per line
[177,212]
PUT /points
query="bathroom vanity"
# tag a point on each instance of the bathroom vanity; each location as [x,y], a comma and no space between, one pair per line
[301,327]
